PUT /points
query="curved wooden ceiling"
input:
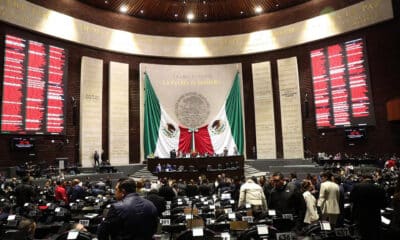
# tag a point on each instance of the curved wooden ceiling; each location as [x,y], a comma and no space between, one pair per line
[223,16]
[202,10]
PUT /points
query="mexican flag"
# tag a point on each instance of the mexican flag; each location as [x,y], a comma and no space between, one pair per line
[162,134]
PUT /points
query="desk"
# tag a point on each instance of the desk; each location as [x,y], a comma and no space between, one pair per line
[353,161]
[192,168]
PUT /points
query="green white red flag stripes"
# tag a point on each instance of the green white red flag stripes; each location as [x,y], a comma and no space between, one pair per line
[162,133]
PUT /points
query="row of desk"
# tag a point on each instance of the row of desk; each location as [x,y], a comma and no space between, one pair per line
[211,167]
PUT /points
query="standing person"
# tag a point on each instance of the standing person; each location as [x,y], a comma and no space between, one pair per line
[131,218]
[284,197]
[60,194]
[96,158]
[368,199]
[76,191]
[103,157]
[311,215]
[394,227]
[253,194]
[328,200]
[24,192]
[166,190]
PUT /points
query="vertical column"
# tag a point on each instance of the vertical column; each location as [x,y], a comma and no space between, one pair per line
[118,114]
[289,93]
[91,109]
[264,110]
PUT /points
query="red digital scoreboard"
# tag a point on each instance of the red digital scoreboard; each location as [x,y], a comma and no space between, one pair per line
[342,94]
[33,87]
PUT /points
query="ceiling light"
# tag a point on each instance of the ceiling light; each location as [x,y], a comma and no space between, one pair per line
[205,15]
[258,9]
[123,9]
[141,11]
[204,2]
[190,16]
[176,15]
[106,2]
[241,12]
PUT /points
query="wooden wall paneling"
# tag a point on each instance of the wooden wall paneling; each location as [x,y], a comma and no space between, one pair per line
[382,53]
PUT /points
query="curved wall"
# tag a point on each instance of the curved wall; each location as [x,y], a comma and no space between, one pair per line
[310,9]
[383,53]
[53,23]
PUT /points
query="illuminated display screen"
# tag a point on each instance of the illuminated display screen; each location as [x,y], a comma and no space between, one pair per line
[342,94]
[33,87]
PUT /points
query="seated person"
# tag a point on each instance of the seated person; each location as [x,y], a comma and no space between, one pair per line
[225,152]
[105,162]
[158,168]
[172,153]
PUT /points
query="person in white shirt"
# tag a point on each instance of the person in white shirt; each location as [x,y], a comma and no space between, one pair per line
[311,215]
[253,194]
[328,200]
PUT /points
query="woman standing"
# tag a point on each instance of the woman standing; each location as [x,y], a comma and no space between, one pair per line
[311,215]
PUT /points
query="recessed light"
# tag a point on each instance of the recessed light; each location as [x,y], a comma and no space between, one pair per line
[205,15]
[258,9]
[277,5]
[106,2]
[176,15]
[142,11]
[190,16]
[241,12]
[204,2]
[123,9]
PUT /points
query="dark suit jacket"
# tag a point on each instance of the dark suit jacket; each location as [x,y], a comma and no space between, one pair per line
[368,199]
[132,218]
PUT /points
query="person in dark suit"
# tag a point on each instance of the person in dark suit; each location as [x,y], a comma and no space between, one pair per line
[368,199]
[157,200]
[77,191]
[132,217]
[172,153]
[96,158]
[394,227]
[166,191]
[24,192]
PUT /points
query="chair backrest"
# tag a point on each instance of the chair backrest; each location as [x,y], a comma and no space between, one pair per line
[13,234]
[239,225]
[81,236]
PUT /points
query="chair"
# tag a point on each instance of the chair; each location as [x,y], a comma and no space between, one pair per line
[13,234]
[188,235]
[81,236]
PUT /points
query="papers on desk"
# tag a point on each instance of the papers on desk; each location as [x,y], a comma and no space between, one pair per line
[325,226]
[262,229]
[72,235]
[385,220]
[91,215]
[225,236]
[198,232]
